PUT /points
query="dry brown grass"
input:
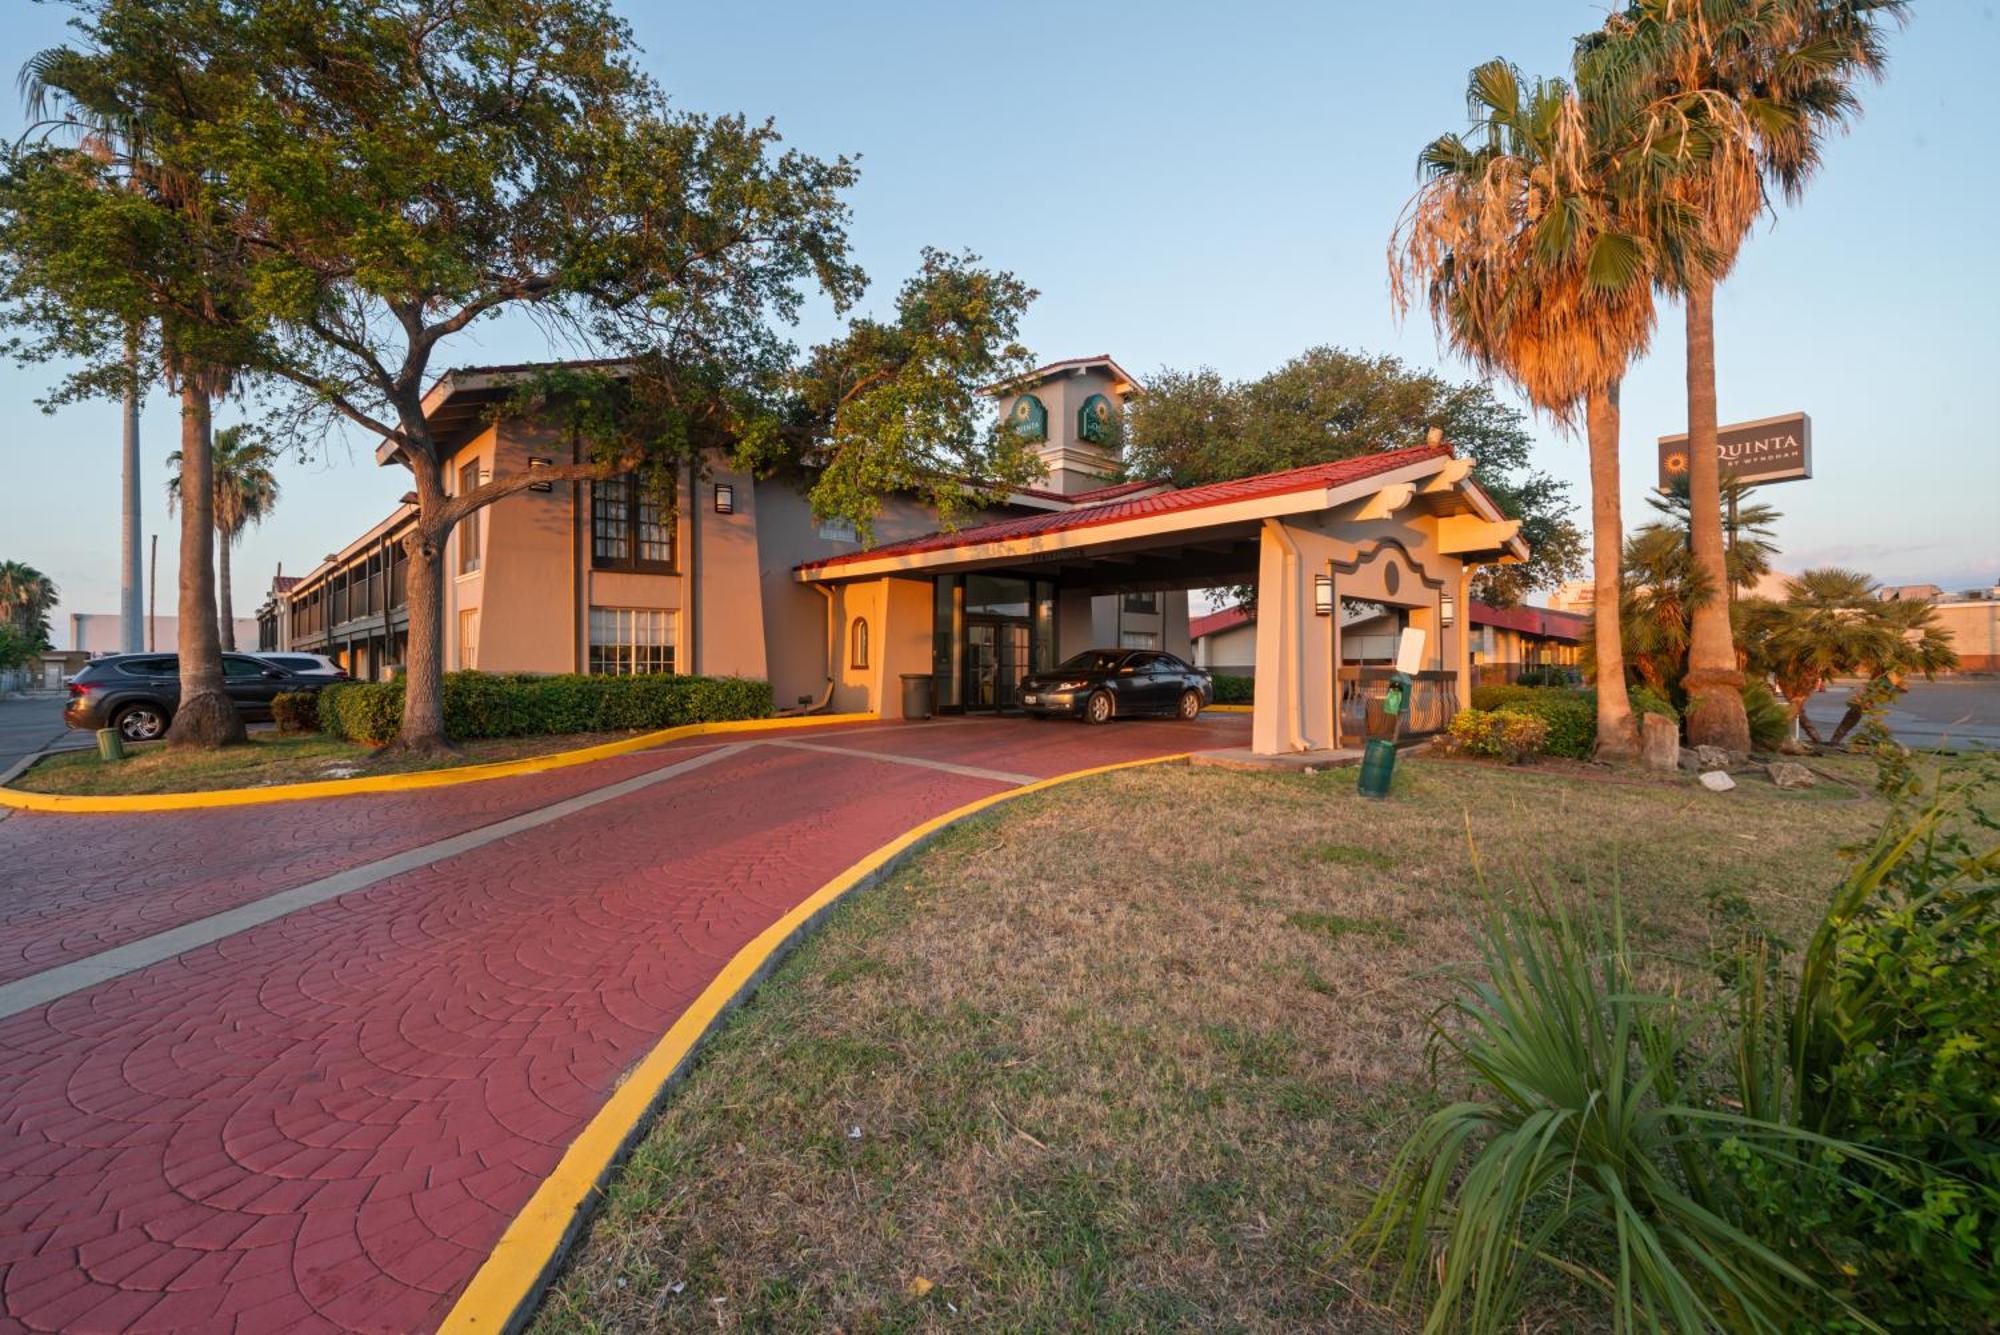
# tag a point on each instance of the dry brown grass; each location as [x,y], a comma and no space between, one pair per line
[1127,1055]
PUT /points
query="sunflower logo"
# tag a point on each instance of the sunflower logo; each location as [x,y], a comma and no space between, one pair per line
[1677,463]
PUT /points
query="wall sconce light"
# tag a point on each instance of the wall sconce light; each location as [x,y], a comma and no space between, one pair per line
[536,461]
[1447,609]
[485,476]
[1323,595]
[725,498]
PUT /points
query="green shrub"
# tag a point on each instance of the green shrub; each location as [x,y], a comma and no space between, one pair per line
[1548,675]
[484,704]
[361,711]
[1570,715]
[1234,690]
[296,711]
[1888,1035]
[1769,724]
[1504,734]
[1814,1149]
[1646,700]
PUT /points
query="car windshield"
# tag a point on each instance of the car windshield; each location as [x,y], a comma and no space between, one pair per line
[1090,660]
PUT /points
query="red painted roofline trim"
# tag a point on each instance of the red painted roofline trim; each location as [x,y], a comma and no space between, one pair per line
[1173,502]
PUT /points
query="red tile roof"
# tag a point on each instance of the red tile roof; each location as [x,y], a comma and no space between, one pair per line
[1543,621]
[1117,489]
[1310,478]
[283,583]
[1229,618]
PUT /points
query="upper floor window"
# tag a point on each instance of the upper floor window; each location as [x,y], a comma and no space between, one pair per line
[836,529]
[631,526]
[1142,602]
[468,527]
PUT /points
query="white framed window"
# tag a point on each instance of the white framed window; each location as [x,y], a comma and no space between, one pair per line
[1138,639]
[626,640]
[468,639]
[835,529]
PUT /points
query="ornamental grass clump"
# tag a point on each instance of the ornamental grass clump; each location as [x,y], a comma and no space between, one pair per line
[1799,1148]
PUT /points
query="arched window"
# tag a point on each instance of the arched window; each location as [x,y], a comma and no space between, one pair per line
[859,640]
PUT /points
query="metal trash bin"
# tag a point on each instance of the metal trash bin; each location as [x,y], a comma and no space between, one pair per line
[916,695]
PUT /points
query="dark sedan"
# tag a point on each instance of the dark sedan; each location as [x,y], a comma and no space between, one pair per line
[1099,685]
[137,693]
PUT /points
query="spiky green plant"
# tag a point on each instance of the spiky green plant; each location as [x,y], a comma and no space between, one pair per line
[1588,1151]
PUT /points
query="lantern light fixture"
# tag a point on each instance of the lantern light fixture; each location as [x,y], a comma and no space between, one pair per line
[725,498]
[1323,595]
[1447,609]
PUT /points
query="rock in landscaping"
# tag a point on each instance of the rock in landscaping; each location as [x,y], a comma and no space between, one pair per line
[1659,742]
[1717,781]
[1790,774]
[1792,746]
[1714,757]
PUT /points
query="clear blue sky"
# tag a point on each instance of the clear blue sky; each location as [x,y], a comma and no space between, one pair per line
[1206,184]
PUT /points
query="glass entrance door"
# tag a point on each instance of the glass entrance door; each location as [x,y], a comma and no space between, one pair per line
[996,658]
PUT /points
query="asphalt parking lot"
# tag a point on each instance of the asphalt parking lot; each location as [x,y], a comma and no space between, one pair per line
[1962,713]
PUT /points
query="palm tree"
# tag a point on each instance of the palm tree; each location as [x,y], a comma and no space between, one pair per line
[26,596]
[1746,528]
[1833,624]
[1525,242]
[186,279]
[245,493]
[1664,589]
[1763,81]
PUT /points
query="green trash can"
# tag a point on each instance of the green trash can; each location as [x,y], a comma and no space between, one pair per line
[1378,767]
[1378,758]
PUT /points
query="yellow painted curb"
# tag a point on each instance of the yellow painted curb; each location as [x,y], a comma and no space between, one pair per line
[503,1291]
[395,783]
[1226,709]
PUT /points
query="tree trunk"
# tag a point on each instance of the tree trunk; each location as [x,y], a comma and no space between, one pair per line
[205,716]
[423,656]
[1714,681]
[1617,729]
[225,613]
[131,578]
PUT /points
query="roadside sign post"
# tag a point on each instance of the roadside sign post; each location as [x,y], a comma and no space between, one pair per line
[1769,449]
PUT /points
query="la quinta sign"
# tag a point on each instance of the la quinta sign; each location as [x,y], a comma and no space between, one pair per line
[1770,449]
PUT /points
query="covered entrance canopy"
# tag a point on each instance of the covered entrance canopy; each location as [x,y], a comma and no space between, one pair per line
[1402,529]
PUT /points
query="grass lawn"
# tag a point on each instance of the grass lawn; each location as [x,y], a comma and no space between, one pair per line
[268,759]
[1127,1054]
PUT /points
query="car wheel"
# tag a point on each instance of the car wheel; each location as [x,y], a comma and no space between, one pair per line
[1098,708]
[140,723]
[1190,705]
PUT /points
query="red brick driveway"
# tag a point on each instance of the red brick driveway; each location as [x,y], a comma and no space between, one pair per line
[324,1120]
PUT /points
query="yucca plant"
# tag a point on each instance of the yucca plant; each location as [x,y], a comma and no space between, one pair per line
[1594,1149]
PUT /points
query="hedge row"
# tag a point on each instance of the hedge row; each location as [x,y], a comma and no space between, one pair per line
[1234,690]
[484,704]
[1571,716]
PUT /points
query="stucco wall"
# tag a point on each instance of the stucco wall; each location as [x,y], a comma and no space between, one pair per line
[1391,560]
[1975,633]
